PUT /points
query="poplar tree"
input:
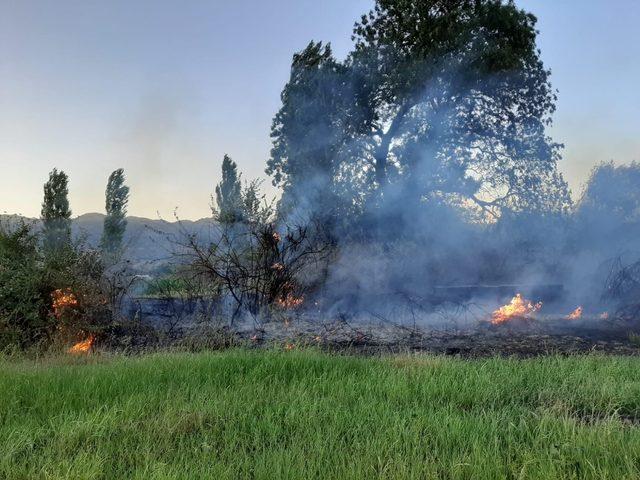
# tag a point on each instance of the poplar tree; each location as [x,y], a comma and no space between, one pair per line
[56,214]
[115,222]
[228,204]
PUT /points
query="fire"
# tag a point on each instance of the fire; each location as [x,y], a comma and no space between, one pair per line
[62,299]
[576,314]
[289,346]
[518,307]
[290,301]
[82,347]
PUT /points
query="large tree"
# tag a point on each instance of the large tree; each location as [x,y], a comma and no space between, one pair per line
[437,99]
[115,221]
[309,133]
[56,214]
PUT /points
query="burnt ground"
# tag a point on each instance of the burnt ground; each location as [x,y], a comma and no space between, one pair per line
[522,338]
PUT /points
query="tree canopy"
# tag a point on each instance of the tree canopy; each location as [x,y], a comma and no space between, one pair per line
[437,100]
[115,222]
[228,207]
[56,214]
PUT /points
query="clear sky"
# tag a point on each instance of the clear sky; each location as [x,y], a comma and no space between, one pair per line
[164,88]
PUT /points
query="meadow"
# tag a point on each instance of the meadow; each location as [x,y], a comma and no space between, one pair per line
[306,414]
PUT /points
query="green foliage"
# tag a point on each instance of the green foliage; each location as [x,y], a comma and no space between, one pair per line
[167,286]
[440,102]
[24,290]
[29,280]
[256,209]
[56,215]
[234,203]
[265,415]
[115,222]
[614,192]
[228,207]
[310,129]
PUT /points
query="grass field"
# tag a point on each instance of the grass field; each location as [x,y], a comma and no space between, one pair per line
[243,414]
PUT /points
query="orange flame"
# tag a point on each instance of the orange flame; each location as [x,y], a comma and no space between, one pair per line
[576,314]
[62,299]
[82,347]
[290,301]
[518,307]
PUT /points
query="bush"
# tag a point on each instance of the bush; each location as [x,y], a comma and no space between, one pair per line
[25,294]
[68,296]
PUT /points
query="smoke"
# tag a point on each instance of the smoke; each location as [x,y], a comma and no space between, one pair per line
[451,229]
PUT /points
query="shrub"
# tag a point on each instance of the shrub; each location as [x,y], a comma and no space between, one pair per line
[24,290]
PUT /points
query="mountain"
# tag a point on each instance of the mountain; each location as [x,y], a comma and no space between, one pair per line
[149,243]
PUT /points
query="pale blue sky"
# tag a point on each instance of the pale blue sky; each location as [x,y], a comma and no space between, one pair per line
[165,88]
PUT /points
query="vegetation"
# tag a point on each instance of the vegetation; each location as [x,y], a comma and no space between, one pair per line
[56,214]
[434,103]
[24,291]
[115,222]
[228,201]
[242,414]
[234,203]
[49,296]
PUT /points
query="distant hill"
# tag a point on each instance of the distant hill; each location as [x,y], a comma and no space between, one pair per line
[149,243]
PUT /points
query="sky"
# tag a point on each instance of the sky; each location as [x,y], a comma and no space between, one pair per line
[164,88]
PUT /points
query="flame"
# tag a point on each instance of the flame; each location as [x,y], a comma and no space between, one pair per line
[61,300]
[576,314]
[290,301]
[517,307]
[289,346]
[82,347]
[287,299]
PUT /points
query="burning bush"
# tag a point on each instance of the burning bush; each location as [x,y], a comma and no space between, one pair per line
[66,296]
[258,266]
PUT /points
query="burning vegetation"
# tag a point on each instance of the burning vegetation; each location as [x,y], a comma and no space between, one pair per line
[576,314]
[518,307]
[62,300]
[83,347]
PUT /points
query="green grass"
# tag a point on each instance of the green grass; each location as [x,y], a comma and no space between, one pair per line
[271,415]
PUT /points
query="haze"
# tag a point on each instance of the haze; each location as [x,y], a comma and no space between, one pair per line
[164,89]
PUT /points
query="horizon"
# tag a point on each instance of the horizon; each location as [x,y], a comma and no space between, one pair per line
[166,108]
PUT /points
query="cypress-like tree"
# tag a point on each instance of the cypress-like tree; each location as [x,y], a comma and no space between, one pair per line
[115,223]
[228,205]
[55,214]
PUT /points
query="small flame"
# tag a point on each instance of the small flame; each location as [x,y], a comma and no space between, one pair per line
[287,299]
[82,347]
[576,314]
[518,307]
[289,346]
[61,300]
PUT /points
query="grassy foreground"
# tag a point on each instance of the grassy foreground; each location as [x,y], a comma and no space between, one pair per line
[242,414]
